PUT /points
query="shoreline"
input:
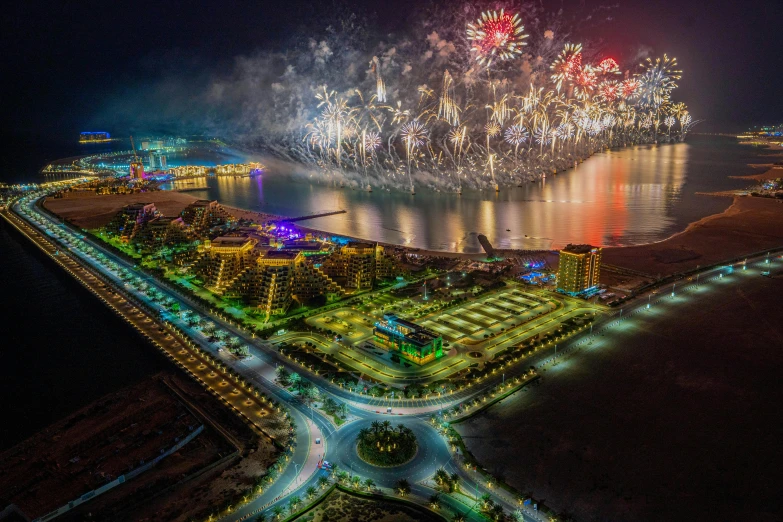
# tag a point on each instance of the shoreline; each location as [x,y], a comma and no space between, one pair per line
[773,172]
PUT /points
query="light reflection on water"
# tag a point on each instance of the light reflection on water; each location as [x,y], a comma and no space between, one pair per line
[631,196]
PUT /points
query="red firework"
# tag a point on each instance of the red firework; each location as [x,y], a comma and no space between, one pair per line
[496,34]
[609,66]
[609,90]
[586,77]
[628,88]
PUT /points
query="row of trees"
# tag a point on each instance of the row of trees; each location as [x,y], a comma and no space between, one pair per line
[309,392]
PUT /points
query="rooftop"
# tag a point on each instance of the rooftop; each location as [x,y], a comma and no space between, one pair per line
[578,249]
[359,244]
[281,254]
[230,241]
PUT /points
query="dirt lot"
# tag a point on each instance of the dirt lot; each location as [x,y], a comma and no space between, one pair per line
[748,225]
[89,210]
[679,418]
[342,507]
[198,496]
[102,441]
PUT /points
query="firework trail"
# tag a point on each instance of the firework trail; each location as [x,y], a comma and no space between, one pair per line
[380,85]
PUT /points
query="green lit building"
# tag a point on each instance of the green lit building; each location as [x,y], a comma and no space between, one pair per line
[414,342]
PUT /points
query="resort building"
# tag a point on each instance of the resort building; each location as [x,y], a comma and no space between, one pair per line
[357,265]
[579,269]
[310,282]
[273,284]
[203,215]
[412,341]
[130,220]
[223,260]
[360,265]
[162,231]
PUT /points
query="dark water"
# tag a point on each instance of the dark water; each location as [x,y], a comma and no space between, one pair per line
[625,197]
[61,347]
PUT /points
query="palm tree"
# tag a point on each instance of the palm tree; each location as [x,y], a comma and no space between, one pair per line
[486,500]
[364,433]
[311,491]
[386,426]
[294,503]
[458,517]
[435,501]
[342,476]
[401,428]
[369,484]
[441,476]
[403,487]
[454,482]
[376,426]
[356,481]
[278,510]
[323,482]
[342,409]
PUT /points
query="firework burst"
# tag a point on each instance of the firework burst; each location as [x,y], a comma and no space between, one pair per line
[567,65]
[492,129]
[516,135]
[496,35]
[414,134]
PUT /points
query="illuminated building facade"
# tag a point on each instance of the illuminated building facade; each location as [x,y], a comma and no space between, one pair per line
[136,170]
[94,137]
[131,220]
[162,231]
[223,260]
[273,283]
[412,341]
[360,265]
[203,215]
[579,270]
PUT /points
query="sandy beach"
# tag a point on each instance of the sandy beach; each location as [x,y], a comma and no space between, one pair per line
[748,225]
[774,172]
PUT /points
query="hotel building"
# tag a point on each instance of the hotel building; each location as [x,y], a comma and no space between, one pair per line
[579,269]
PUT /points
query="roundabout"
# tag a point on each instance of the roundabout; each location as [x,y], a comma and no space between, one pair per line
[429,451]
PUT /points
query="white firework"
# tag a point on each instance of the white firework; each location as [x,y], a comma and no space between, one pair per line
[516,135]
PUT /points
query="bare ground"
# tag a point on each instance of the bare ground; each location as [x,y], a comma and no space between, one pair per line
[678,419]
[89,210]
[342,507]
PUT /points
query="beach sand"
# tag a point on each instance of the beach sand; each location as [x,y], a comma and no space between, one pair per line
[748,225]
[773,173]
[89,210]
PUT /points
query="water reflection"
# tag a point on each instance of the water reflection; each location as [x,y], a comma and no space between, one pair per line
[621,197]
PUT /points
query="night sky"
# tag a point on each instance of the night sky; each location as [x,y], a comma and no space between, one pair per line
[64,60]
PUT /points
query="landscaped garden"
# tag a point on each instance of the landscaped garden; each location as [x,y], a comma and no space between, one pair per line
[383,445]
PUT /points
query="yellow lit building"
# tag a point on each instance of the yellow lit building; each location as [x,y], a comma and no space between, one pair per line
[579,269]
[274,283]
[223,260]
